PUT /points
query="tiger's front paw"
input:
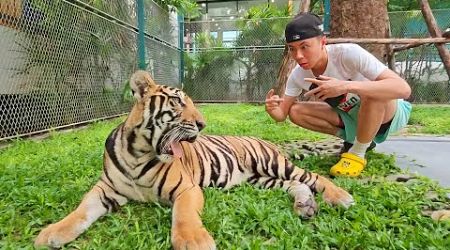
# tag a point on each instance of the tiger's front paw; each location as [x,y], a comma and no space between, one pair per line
[306,209]
[54,235]
[190,239]
[304,204]
[338,196]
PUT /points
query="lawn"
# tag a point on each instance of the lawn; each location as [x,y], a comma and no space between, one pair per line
[41,181]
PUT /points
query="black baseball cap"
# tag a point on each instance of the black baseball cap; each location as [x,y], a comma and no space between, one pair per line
[304,25]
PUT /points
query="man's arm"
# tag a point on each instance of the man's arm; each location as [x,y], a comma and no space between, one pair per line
[278,108]
[387,86]
[384,83]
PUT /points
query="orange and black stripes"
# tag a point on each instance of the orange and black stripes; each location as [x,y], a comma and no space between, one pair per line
[220,161]
[158,155]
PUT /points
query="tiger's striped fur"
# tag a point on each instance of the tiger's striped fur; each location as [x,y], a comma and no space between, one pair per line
[142,162]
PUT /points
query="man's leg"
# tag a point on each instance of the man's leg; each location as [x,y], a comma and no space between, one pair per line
[316,116]
[371,115]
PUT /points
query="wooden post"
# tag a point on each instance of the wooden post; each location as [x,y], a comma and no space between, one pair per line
[305,6]
[435,32]
[390,40]
[390,58]
[390,54]
[287,64]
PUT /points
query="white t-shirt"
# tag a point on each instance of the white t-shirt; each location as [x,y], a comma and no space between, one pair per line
[347,62]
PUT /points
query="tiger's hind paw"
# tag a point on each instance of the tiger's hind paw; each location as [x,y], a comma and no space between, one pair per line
[338,196]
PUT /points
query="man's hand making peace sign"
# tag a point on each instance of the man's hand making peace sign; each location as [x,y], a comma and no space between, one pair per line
[327,87]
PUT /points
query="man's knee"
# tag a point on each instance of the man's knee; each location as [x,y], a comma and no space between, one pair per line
[298,113]
[387,107]
[367,101]
[377,109]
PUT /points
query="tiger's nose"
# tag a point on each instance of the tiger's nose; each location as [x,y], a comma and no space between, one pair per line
[200,125]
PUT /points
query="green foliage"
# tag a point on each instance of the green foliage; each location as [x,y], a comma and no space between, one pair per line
[127,94]
[119,9]
[62,46]
[199,83]
[430,119]
[215,73]
[43,181]
[259,28]
[404,5]
[434,92]
[260,124]
[266,11]
[188,8]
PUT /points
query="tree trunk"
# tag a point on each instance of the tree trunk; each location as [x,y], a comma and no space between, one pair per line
[361,19]
[287,64]
[434,31]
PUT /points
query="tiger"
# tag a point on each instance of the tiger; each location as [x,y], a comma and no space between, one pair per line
[158,155]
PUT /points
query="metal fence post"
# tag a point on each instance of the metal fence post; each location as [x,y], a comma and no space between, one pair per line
[326,16]
[141,34]
[181,47]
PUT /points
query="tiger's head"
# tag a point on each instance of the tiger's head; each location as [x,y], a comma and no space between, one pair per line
[161,118]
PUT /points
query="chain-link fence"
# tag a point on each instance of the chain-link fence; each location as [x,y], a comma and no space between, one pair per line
[162,44]
[66,62]
[233,60]
[238,60]
[422,67]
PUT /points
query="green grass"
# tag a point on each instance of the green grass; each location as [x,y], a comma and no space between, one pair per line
[430,119]
[43,181]
[238,119]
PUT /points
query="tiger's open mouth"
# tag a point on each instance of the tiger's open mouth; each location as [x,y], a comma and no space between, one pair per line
[174,147]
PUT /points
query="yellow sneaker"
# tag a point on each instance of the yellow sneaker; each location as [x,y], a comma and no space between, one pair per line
[349,165]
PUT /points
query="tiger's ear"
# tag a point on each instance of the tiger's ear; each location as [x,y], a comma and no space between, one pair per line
[141,83]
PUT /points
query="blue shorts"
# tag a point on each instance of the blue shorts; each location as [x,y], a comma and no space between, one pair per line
[399,121]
